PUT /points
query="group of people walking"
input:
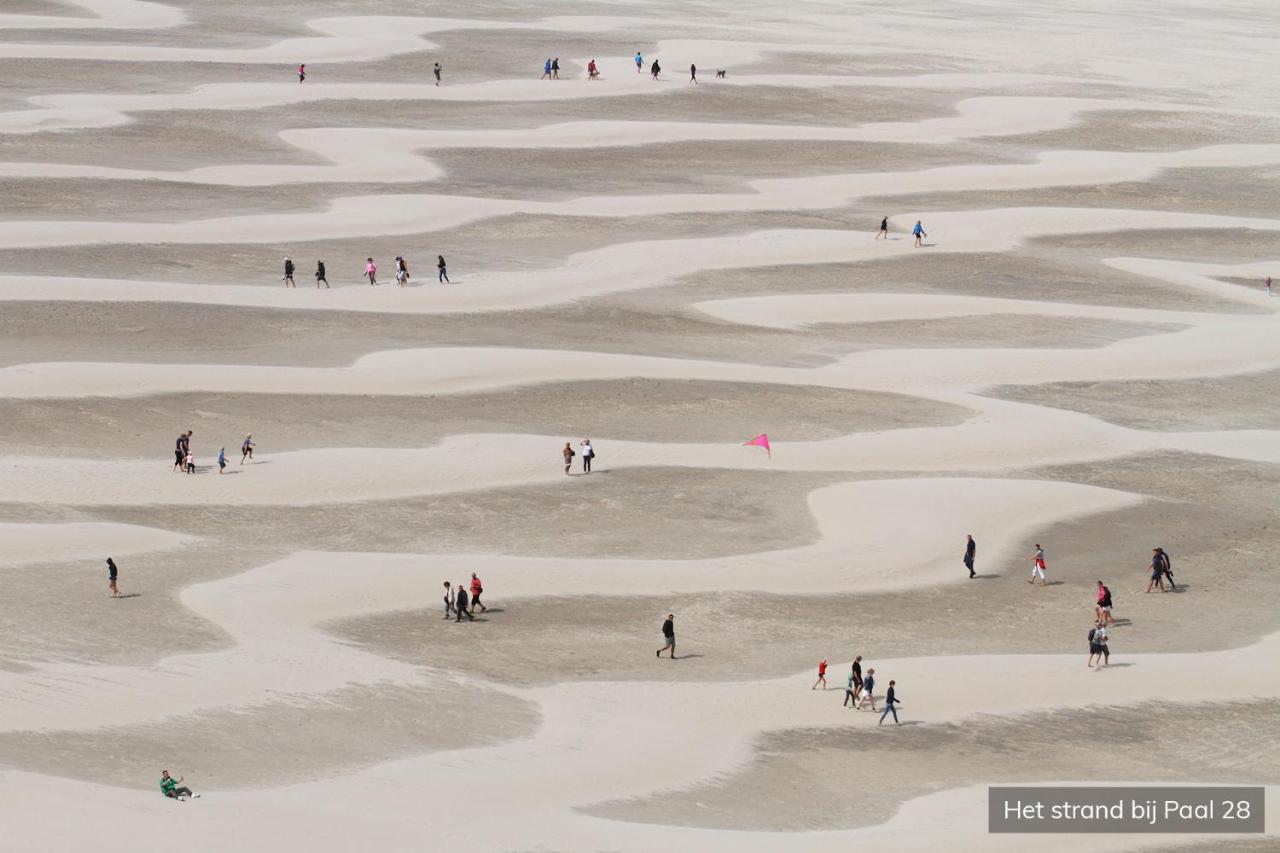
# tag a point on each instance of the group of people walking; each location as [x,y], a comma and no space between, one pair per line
[185,460]
[917,231]
[859,689]
[370,272]
[463,600]
[588,454]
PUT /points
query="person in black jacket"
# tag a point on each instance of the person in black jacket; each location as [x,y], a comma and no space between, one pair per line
[668,636]
[288,273]
[1166,568]
[970,551]
[460,604]
[890,705]
[320,275]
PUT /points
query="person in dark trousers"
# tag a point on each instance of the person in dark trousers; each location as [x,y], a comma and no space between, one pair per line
[848,692]
[302,73]
[555,68]
[970,551]
[588,453]
[884,229]
[436,71]
[320,275]
[170,787]
[1166,568]
[1157,571]
[476,589]
[856,672]
[668,636]
[112,574]
[460,604]
[443,268]
[288,273]
[655,69]
[180,448]
[693,73]
[890,706]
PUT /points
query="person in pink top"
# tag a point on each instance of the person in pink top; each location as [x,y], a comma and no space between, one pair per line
[302,73]
[476,589]
[371,270]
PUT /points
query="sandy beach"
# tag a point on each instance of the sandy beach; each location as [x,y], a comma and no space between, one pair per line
[1078,351]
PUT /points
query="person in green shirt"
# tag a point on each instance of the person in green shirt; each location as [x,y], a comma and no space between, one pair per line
[170,787]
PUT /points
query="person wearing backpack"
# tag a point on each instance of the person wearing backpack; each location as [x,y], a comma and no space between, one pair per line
[1166,568]
[1095,648]
[1104,605]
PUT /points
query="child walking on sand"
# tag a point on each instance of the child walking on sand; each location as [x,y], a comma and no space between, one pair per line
[868,685]
[112,574]
[371,270]
[822,675]
[1037,566]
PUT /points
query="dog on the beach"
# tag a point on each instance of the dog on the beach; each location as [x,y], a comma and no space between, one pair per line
[720,73]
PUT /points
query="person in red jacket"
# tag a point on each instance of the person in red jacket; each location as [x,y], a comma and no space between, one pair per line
[476,589]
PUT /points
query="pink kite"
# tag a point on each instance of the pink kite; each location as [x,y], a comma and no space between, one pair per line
[761,440]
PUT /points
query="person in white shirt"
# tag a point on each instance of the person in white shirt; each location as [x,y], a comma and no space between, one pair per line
[588,453]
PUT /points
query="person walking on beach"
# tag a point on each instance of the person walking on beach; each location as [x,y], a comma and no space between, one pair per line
[639,63]
[655,69]
[568,458]
[302,73]
[1157,570]
[320,275]
[246,448]
[884,228]
[1037,566]
[693,74]
[970,552]
[593,71]
[371,270]
[668,636]
[112,575]
[891,704]
[443,269]
[436,69]
[849,695]
[476,589]
[546,70]
[855,673]
[170,787]
[822,675]
[555,68]
[222,460]
[868,685]
[588,453]
[460,605]
[1103,611]
[190,462]
[1267,283]
[1098,645]
[180,448]
[402,271]
[288,273]
[918,232]
[448,600]
[1166,567]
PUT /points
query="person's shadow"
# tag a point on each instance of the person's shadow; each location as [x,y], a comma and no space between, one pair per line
[130,595]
